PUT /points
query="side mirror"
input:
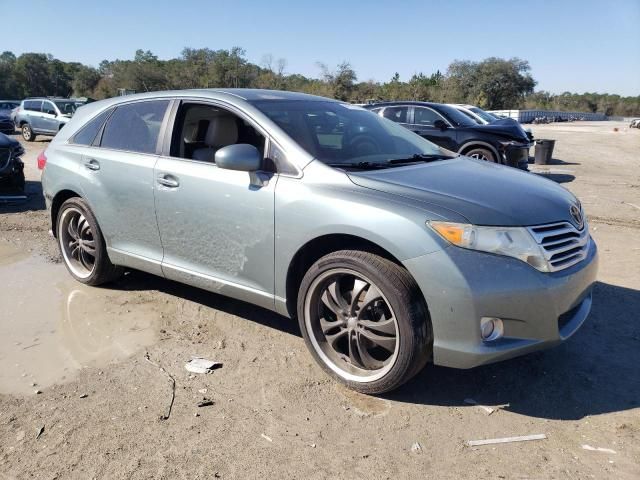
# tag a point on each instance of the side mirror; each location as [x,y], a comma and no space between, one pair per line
[242,157]
[440,124]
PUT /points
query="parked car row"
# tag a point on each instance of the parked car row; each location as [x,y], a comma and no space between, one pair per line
[389,250]
[36,116]
[500,141]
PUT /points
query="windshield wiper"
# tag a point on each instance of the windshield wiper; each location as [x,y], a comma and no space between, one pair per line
[420,157]
[417,157]
[360,165]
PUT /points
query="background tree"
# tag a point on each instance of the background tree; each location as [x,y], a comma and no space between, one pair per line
[493,83]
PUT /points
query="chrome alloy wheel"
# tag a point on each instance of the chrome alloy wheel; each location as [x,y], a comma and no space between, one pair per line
[351,325]
[481,156]
[77,242]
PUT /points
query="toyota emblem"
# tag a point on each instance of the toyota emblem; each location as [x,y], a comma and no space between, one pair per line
[576,214]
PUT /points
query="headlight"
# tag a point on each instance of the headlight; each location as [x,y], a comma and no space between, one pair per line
[513,242]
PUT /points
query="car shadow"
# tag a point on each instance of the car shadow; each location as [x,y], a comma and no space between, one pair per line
[135,280]
[594,372]
[11,203]
[554,161]
[557,177]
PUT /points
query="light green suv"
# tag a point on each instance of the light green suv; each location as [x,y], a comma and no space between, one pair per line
[389,251]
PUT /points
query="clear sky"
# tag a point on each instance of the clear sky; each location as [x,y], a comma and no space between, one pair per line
[573,45]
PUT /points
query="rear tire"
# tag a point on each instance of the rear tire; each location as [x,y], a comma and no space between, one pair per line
[82,245]
[364,321]
[27,133]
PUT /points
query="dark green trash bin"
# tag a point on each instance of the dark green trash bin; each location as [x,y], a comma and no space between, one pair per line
[544,151]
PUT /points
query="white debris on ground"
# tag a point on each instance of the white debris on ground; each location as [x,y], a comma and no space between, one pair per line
[201,365]
[491,441]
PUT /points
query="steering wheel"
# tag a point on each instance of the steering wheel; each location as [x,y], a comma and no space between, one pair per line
[362,145]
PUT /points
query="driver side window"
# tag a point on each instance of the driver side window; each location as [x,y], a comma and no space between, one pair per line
[47,107]
[201,130]
[425,116]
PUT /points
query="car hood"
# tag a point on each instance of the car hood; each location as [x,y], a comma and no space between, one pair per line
[6,141]
[505,127]
[482,192]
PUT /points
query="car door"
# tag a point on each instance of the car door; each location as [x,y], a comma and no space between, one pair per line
[423,121]
[118,183]
[48,118]
[33,114]
[216,225]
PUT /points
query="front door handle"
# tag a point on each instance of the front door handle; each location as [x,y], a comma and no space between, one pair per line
[168,181]
[92,164]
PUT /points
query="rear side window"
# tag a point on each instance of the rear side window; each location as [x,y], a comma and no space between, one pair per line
[135,127]
[397,114]
[33,105]
[88,133]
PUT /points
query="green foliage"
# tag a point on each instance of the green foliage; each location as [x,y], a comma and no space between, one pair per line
[493,83]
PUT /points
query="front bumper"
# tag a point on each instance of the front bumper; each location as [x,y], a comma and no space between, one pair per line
[6,125]
[517,156]
[539,310]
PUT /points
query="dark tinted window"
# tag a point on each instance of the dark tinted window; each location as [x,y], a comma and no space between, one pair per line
[33,105]
[87,133]
[425,116]
[135,127]
[397,114]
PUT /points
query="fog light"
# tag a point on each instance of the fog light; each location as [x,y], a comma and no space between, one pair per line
[491,328]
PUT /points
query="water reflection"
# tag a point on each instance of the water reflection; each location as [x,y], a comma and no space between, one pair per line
[51,326]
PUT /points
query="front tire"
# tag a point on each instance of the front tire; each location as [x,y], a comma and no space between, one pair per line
[482,154]
[82,245]
[27,133]
[364,320]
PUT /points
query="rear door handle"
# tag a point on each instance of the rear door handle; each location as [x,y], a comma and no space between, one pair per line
[92,164]
[168,181]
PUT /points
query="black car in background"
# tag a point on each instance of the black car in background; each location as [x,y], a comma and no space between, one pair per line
[502,142]
[11,166]
[6,122]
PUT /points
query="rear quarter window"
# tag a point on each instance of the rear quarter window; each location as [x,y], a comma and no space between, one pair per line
[88,132]
[135,127]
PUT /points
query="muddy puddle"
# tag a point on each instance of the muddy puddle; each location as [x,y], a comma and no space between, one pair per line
[52,326]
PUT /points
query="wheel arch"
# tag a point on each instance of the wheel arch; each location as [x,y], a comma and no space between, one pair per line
[57,201]
[318,247]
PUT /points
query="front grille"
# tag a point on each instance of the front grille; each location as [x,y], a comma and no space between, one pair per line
[562,243]
[5,157]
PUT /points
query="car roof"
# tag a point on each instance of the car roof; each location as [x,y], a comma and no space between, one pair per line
[402,102]
[463,105]
[240,98]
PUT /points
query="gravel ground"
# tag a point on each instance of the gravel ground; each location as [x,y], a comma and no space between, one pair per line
[104,361]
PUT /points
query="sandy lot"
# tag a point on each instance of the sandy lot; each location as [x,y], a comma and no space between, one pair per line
[103,361]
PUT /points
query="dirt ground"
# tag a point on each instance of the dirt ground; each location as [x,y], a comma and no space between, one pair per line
[102,361]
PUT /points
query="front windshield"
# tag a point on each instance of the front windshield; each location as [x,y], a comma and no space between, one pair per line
[484,115]
[455,116]
[339,133]
[66,108]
